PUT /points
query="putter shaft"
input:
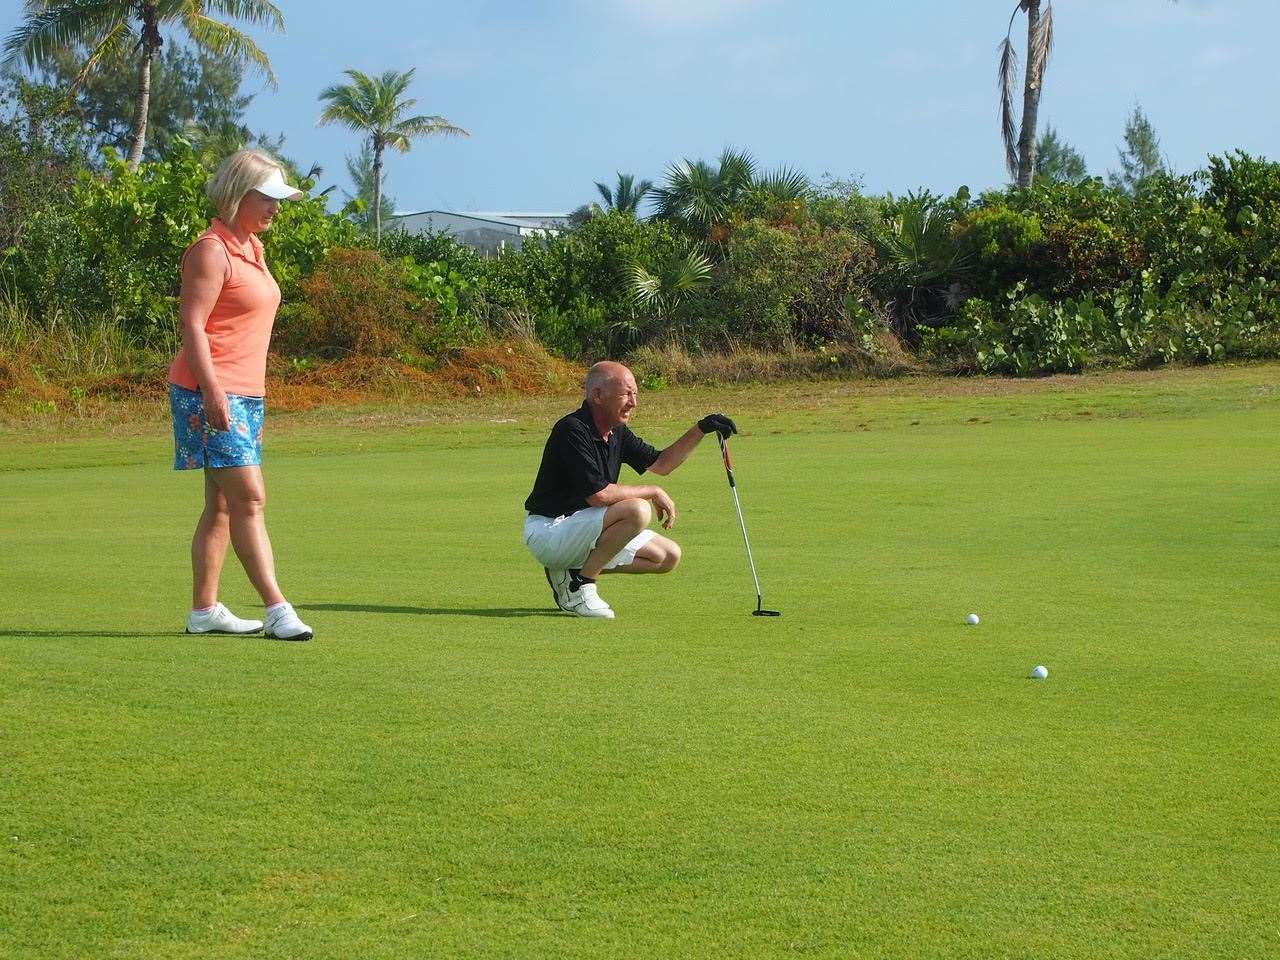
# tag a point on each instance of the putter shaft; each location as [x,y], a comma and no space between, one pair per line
[733,487]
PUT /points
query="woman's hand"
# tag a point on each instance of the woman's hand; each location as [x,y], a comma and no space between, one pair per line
[217,412]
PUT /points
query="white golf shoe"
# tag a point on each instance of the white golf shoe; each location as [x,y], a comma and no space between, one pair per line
[559,580]
[586,602]
[218,619]
[283,624]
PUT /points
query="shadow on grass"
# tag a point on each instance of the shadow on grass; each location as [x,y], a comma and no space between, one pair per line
[91,633]
[433,611]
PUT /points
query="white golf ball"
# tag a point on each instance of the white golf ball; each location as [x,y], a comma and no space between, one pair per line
[1040,672]
[972,620]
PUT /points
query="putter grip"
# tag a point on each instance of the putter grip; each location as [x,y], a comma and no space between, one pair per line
[728,463]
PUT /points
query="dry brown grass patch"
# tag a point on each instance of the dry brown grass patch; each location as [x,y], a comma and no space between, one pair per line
[673,365]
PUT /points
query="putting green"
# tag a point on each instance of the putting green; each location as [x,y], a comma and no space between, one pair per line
[451,769]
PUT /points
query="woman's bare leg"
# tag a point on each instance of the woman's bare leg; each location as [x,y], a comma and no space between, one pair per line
[246,496]
[209,546]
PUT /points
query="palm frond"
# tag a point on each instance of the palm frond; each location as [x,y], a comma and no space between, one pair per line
[606,194]
[49,28]
[693,193]
[785,183]
[691,273]
[737,169]
[426,126]
[1042,44]
[645,287]
[1008,83]
[226,41]
[117,40]
[260,13]
[343,113]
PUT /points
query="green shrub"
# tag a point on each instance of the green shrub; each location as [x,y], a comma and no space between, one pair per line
[1245,192]
[576,286]
[41,150]
[922,266]
[114,247]
[356,302]
[779,285]
[1027,334]
[1002,245]
[432,247]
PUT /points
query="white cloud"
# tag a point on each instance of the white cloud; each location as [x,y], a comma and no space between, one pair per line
[1218,55]
[673,12]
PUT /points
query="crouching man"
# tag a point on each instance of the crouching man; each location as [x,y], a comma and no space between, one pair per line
[582,522]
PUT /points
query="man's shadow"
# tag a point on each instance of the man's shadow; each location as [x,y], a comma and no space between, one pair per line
[503,612]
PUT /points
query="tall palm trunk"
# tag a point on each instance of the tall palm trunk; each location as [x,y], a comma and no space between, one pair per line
[143,105]
[377,190]
[1031,96]
[148,44]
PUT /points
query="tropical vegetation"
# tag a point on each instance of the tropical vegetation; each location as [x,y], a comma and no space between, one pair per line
[716,257]
[378,110]
[116,30]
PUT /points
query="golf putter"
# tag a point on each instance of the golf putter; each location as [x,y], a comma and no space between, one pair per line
[733,487]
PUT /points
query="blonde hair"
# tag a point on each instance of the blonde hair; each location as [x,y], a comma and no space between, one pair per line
[236,176]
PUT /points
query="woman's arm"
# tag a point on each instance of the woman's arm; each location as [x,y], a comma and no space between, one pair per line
[204,272]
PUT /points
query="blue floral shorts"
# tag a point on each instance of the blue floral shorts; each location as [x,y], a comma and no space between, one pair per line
[197,445]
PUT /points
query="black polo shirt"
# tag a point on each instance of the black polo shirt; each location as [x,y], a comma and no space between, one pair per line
[577,462]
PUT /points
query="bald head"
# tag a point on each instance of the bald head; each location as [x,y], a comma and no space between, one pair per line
[610,393]
[603,374]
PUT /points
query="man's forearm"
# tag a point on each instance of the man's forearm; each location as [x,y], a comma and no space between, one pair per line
[678,452]
[617,492]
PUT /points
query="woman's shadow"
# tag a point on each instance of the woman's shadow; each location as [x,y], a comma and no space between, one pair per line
[504,612]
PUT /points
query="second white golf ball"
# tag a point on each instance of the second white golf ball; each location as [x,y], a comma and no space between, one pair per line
[972,620]
[1040,672]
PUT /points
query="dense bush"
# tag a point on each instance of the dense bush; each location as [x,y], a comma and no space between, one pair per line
[41,152]
[778,284]
[576,287]
[432,247]
[113,246]
[1057,277]
[356,302]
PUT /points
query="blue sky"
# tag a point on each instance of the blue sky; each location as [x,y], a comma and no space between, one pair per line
[560,93]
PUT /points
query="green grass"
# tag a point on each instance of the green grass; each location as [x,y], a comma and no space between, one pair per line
[450,770]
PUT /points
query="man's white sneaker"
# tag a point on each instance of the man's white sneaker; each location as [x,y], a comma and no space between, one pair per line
[559,580]
[586,602]
[283,624]
[218,619]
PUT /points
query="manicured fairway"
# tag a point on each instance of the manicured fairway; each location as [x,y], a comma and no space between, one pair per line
[451,769]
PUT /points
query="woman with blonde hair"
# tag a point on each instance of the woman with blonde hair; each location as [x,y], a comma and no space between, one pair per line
[216,388]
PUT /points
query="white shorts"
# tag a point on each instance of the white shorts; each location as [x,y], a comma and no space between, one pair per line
[563,543]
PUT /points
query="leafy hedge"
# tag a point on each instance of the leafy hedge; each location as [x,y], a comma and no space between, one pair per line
[1057,277]
[113,245]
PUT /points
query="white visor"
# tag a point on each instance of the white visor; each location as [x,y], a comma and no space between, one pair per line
[275,187]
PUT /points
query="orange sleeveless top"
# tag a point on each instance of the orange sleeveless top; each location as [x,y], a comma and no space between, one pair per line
[239,325]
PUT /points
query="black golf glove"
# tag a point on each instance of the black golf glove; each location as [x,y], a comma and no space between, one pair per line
[718,423]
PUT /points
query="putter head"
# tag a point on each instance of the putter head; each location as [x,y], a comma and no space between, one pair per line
[766,613]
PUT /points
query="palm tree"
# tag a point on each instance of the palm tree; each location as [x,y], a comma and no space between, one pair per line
[914,241]
[702,198]
[626,196]
[373,106]
[658,294]
[115,28]
[1020,145]
[360,170]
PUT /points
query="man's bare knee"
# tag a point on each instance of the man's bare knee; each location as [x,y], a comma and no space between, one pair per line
[671,559]
[634,512]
